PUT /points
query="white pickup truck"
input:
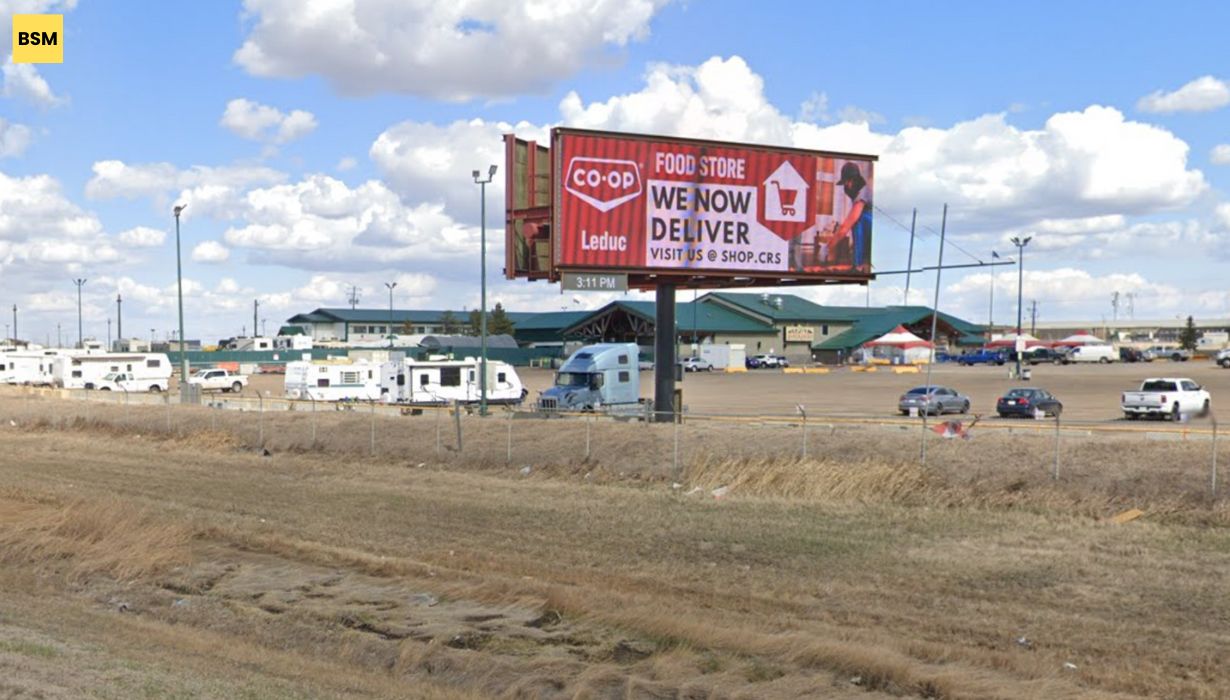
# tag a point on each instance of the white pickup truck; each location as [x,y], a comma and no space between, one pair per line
[130,383]
[218,380]
[1166,397]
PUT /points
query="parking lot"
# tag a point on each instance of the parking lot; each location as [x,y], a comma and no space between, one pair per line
[1088,392]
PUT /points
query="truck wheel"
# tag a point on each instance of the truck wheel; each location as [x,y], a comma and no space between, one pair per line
[236,388]
[965,407]
[1174,413]
[1225,364]
[1130,416]
[1176,357]
[1103,361]
[105,388]
[155,389]
[1206,409]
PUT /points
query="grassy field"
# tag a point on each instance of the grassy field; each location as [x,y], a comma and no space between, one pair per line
[141,563]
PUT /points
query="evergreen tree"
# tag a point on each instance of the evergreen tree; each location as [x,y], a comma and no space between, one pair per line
[475,323]
[1188,336]
[498,322]
[450,324]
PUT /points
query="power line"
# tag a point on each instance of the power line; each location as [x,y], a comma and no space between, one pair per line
[947,241]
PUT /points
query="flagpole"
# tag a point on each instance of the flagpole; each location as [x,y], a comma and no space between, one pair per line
[991,306]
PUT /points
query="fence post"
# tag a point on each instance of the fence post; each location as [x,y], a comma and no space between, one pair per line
[803,412]
[1055,473]
[373,445]
[313,400]
[438,446]
[675,458]
[260,419]
[1213,473]
[923,442]
[508,454]
[457,417]
[167,398]
[587,452]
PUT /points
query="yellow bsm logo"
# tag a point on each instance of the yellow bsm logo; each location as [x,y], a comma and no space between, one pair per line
[38,38]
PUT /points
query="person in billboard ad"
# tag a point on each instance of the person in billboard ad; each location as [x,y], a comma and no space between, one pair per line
[856,225]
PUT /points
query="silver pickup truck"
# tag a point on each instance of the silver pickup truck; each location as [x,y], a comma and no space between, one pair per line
[1166,397]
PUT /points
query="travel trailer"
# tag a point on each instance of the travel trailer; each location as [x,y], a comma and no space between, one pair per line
[438,382]
[143,371]
[327,380]
[34,367]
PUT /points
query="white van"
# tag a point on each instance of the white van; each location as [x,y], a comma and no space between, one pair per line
[1093,353]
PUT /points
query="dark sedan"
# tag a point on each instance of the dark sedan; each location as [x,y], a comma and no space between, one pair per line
[1024,402]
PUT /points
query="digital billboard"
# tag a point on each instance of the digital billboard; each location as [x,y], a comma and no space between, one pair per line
[696,208]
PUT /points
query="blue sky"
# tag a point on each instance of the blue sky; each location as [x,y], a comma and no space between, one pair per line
[324,145]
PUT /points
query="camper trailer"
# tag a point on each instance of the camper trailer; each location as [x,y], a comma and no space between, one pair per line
[436,382]
[333,381]
[601,377]
[142,371]
[35,367]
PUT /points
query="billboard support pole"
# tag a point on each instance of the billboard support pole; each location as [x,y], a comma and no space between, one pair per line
[664,350]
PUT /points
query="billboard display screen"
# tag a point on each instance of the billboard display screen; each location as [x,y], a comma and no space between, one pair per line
[673,206]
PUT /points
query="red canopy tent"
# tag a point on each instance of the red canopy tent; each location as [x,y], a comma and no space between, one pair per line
[913,349]
[1008,340]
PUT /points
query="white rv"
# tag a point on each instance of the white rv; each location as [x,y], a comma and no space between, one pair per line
[437,382]
[333,381]
[142,371]
[35,367]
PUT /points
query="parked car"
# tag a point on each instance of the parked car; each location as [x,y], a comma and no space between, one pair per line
[782,361]
[1127,354]
[983,357]
[696,364]
[762,361]
[1103,354]
[1158,352]
[1222,358]
[934,400]
[1166,397]
[218,380]
[1025,401]
[1037,356]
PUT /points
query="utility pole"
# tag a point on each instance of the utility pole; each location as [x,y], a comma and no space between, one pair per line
[80,282]
[482,312]
[390,285]
[59,336]
[256,305]
[179,285]
[119,317]
[909,265]
[354,297]
[108,333]
[1114,305]
[1033,317]
[15,324]
[1020,244]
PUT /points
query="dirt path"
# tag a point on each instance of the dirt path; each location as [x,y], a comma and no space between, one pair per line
[438,582]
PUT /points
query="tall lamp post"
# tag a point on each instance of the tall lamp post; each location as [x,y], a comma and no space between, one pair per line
[119,319]
[390,285]
[179,283]
[482,311]
[80,282]
[1020,244]
[14,324]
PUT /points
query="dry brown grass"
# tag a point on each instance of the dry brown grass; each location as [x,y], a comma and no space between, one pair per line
[87,537]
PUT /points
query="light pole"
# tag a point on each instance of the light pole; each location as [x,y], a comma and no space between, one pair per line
[80,282]
[14,324]
[179,283]
[108,334]
[482,311]
[119,318]
[1020,244]
[390,285]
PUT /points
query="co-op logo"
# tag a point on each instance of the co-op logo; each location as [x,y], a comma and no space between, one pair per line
[603,183]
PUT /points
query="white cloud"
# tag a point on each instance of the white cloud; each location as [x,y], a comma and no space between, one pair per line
[210,253]
[323,224]
[209,191]
[142,237]
[22,81]
[1220,155]
[35,207]
[455,51]
[14,138]
[346,163]
[1200,95]
[1072,293]
[1078,165]
[425,162]
[258,122]
[1223,216]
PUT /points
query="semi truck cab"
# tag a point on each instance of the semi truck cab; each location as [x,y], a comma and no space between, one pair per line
[596,377]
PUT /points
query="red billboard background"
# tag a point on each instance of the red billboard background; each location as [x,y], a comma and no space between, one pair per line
[651,204]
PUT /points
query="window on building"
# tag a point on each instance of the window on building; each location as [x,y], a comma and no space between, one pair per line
[824,330]
[450,376]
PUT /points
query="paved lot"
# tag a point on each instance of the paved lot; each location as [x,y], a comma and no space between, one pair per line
[1088,392]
